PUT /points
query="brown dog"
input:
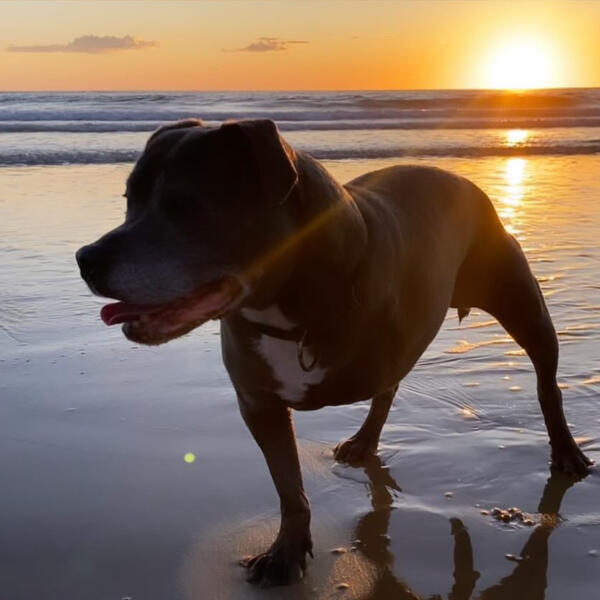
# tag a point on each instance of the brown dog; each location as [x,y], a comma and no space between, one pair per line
[327,294]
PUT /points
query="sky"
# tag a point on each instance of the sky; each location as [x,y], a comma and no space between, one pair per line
[298,45]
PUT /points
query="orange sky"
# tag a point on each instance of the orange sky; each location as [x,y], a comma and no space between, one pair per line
[256,45]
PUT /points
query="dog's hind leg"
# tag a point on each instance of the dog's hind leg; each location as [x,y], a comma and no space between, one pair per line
[497,279]
[364,442]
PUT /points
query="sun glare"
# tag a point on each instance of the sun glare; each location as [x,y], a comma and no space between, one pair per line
[515,137]
[520,64]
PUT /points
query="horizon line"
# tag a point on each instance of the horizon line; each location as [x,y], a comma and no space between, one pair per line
[251,90]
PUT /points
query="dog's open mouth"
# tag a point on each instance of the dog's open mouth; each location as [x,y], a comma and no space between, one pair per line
[157,323]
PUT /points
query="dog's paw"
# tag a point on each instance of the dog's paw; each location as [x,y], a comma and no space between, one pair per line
[355,450]
[570,459]
[282,564]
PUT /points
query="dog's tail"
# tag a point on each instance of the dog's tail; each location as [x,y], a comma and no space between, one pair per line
[463,312]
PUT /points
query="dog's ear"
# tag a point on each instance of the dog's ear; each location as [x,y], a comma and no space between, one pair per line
[184,124]
[272,156]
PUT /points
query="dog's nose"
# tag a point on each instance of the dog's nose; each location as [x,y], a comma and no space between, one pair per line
[88,259]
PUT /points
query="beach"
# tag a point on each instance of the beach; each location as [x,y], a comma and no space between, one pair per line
[127,470]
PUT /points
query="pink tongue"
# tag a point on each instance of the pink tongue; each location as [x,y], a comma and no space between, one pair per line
[119,312]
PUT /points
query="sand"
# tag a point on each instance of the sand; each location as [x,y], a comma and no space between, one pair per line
[128,473]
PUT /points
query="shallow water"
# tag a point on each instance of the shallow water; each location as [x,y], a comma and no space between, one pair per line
[98,501]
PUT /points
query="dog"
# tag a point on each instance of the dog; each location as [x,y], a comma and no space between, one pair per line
[327,294]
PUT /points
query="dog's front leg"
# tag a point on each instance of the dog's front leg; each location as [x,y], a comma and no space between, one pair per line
[285,561]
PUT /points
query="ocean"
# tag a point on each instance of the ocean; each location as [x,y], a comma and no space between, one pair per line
[100,499]
[110,127]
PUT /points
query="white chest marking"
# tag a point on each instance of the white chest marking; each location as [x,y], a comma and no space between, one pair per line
[282,356]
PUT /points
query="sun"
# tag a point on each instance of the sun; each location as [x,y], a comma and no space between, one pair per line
[520,64]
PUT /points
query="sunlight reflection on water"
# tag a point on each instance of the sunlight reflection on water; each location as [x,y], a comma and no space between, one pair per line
[514,137]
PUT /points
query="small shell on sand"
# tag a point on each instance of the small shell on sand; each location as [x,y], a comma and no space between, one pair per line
[593,553]
[342,586]
[449,494]
[339,550]
[484,512]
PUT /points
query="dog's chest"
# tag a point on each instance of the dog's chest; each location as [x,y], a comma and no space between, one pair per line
[281,357]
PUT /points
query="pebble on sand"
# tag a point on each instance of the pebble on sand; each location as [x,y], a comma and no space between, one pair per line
[593,553]
[449,494]
[342,586]
[516,512]
[513,557]
[339,550]
[513,514]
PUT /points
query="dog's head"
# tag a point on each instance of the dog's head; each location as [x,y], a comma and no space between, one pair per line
[205,210]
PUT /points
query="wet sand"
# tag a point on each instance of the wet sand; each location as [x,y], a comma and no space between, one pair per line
[99,501]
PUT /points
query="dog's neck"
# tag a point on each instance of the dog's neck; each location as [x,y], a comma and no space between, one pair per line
[332,238]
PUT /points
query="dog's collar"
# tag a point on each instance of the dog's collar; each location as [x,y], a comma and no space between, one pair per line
[290,335]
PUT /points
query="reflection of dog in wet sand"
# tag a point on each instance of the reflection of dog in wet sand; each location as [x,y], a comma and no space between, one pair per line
[527,580]
[327,294]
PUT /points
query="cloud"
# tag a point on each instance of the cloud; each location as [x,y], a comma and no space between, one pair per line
[90,44]
[269,44]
